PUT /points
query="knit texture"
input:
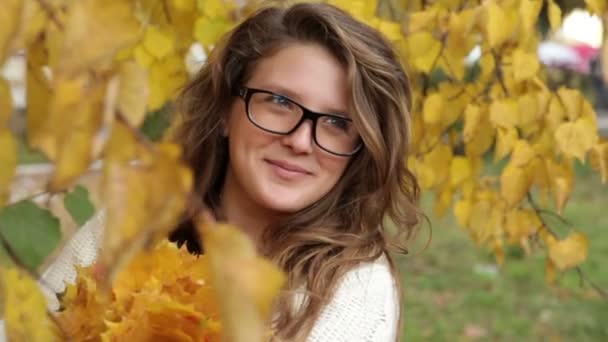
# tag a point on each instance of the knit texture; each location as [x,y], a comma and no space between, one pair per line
[365,306]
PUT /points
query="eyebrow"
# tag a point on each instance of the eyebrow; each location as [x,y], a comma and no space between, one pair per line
[294,96]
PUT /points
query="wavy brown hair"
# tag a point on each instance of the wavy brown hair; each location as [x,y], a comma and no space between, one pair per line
[374,204]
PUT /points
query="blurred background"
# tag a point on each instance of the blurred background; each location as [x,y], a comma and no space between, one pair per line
[454,290]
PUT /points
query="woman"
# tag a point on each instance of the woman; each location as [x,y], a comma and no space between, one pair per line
[297,128]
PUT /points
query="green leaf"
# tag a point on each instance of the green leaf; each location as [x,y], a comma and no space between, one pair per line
[32,232]
[155,124]
[78,204]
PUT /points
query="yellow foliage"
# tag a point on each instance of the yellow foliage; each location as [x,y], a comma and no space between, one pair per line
[162,294]
[24,308]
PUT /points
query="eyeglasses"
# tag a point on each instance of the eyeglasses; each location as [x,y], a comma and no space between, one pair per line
[278,114]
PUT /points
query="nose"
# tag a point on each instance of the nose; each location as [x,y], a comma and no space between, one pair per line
[300,140]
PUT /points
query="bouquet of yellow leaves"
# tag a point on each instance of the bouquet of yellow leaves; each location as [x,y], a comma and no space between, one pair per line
[164,294]
[170,295]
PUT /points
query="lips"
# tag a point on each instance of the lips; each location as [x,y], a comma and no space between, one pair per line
[290,167]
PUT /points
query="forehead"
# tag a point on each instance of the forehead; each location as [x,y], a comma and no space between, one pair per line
[308,73]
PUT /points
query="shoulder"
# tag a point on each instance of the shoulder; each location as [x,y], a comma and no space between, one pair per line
[365,306]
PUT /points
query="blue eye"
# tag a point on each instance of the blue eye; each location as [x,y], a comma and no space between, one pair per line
[338,123]
[278,99]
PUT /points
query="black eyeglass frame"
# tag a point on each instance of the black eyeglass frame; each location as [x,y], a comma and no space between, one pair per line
[246,93]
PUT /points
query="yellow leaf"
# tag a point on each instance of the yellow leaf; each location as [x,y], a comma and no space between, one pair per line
[514,184]
[158,43]
[481,141]
[597,6]
[525,65]
[556,114]
[574,139]
[598,158]
[527,105]
[143,201]
[498,24]
[522,153]
[75,116]
[95,30]
[505,140]
[421,20]
[572,101]
[555,15]
[462,211]
[133,92]
[392,30]
[472,118]
[562,181]
[207,30]
[569,252]
[521,224]
[438,161]
[433,105]
[423,50]
[504,113]
[25,313]
[528,14]
[443,201]
[550,272]
[142,57]
[499,251]
[460,170]
[9,17]
[6,102]
[38,93]
[246,284]
[8,160]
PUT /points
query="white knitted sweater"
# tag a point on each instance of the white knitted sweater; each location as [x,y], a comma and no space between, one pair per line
[364,308]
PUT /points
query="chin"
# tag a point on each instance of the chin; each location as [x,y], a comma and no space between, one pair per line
[283,203]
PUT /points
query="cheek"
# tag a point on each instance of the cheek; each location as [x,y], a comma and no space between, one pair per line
[333,168]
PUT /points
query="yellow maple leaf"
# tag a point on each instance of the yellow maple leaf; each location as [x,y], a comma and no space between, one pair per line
[25,313]
[569,252]
[8,160]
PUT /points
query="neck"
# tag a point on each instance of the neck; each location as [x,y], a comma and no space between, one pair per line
[239,209]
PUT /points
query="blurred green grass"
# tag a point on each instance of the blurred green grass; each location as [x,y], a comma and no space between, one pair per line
[452,293]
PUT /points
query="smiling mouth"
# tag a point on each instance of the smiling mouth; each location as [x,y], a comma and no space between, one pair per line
[287,170]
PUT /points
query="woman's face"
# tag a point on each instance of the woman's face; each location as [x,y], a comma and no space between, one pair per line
[286,173]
